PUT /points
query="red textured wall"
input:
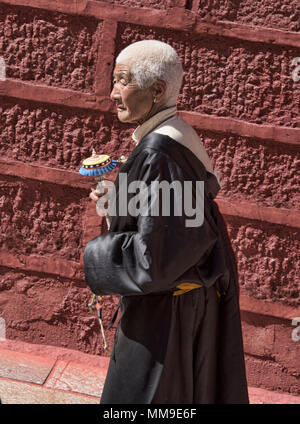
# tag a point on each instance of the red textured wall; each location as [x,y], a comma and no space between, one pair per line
[238,93]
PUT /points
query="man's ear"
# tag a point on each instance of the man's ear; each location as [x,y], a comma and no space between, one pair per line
[159,89]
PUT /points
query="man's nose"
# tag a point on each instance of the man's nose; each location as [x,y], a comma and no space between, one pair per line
[115,93]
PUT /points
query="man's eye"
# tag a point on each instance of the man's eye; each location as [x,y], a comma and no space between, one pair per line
[122,81]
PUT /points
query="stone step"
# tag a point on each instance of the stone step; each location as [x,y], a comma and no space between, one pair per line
[39,374]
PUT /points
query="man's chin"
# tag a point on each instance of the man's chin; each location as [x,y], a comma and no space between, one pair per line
[123,116]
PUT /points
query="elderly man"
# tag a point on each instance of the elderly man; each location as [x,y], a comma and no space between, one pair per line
[179,337]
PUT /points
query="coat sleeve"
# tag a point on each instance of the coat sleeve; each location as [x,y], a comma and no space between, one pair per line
[161,249]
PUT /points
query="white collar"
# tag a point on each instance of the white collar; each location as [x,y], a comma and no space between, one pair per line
[152,123]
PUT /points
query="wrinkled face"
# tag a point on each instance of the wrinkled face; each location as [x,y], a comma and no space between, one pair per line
[134,105]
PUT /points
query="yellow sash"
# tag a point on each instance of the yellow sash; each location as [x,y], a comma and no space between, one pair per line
[186,287]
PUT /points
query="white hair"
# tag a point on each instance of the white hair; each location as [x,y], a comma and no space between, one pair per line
[152,60]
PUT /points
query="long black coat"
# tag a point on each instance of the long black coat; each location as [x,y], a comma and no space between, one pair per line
[172,349]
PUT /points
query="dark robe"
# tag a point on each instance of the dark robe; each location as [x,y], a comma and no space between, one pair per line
[170,349]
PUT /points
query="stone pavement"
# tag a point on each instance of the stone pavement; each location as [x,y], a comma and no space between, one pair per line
[38,374]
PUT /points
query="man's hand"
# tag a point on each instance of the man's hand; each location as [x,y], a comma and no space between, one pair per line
[95,194]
